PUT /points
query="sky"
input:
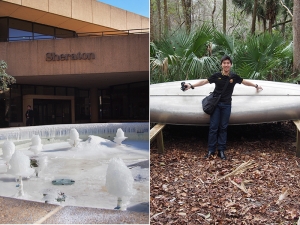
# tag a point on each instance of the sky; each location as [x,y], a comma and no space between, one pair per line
[140,7]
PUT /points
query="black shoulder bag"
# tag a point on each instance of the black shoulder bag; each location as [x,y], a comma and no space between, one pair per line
[210,102]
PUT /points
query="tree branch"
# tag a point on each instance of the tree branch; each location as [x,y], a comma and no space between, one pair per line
[288,10]
[277,24]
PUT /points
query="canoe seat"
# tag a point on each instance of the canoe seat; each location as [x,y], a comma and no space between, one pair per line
[297,123]
[156,133]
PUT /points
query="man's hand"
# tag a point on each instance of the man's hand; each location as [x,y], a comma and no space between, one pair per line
[187,86]
[259,87]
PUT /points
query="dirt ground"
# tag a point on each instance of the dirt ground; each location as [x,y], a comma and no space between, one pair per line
[188,189]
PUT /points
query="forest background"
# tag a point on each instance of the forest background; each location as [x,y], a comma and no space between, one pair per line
[188,38]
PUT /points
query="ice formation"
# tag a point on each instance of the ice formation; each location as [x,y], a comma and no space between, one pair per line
[119,136]
[36,145]
[40,164]
[119,180]
[74,138]
[20,166]
[8,149]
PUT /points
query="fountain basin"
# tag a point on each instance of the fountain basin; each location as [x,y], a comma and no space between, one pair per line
[86,165]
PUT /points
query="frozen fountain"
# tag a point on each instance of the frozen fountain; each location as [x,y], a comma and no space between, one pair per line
[119,136]
[119,180]
[20,167]
[74,138]
[8,148]
[37,162]
[88,166]
[36,146]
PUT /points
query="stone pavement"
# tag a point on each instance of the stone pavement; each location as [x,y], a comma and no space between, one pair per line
[16,211]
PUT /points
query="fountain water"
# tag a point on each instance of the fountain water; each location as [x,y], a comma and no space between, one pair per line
[8,149]
[119,180]
[119,136]
[20,167]
[74,138]
[36,146]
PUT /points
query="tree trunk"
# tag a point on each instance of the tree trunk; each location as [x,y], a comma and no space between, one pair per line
[187,9]
[270,26]
[212,14]
[224,16]
[159,18]
[166,18]
[265,24]
[152,16]
[296,36]
[254,16]
[283,27]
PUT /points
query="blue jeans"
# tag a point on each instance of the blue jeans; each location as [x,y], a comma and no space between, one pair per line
[218,127]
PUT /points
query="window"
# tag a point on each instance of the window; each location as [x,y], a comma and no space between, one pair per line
[3,29]
[16,111]
[120,102]
[61,33]
[43,32]
[20,30]
[44,90]
[60,91]
[28,90]
[82,105]
[139,106]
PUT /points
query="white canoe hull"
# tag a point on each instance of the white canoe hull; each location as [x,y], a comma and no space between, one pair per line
[276,102]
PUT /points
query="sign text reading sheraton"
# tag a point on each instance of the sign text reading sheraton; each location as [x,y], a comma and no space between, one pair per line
[66,57]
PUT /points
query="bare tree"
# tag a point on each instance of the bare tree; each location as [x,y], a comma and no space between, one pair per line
[159,18]
[224,16]
[271,12]
[152,16]
[254,16]
[212,14]
[187,9]
[296,36]
[166,18]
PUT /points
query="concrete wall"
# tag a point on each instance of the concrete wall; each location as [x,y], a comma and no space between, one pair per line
[112,54]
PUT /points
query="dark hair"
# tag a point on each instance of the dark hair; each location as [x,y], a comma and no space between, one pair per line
[226,57]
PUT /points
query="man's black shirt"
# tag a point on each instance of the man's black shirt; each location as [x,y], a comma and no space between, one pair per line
[220,81]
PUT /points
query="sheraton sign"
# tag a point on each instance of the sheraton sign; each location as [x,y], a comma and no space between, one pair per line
[66,57]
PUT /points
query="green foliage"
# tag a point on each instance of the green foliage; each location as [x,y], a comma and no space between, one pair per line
[5,79]
[184,55]
[264,57]
[187,56]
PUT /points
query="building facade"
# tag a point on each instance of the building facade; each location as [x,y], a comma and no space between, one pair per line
[75,61]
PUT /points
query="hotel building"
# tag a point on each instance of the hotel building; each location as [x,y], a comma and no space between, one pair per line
[75,61]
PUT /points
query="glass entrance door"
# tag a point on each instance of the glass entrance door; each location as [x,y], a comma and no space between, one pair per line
[51,111]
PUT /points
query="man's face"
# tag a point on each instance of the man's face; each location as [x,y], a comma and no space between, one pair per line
[28,107]
[226,65]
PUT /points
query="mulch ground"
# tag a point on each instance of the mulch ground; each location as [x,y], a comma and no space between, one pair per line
[186,188]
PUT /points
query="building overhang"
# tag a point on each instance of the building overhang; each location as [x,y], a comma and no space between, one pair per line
[103,80]
[82,16]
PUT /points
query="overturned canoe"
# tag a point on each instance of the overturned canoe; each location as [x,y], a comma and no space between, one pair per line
[276,102]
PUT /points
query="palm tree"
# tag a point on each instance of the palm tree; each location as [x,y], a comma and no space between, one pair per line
[183,56]
[196,55]
[265,57]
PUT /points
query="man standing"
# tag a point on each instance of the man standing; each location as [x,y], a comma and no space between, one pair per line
[29,116]
[220,118]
